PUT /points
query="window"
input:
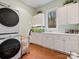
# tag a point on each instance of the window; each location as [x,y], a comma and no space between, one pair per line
[52,19]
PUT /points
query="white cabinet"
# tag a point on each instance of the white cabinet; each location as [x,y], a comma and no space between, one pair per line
[73,13]
[53,41]
[48,41]
[61,15]
[72,44]
[69,14]
[35,38]
[59,43]
[67,43]
[38,19]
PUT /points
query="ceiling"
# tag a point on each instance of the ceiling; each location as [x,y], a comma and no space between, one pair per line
[36,3]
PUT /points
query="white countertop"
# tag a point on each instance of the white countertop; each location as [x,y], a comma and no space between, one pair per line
[56,33]
[60,33]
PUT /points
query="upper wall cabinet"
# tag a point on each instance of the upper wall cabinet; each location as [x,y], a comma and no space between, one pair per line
[38,19]
[61,15]
[69,14]
[73,13]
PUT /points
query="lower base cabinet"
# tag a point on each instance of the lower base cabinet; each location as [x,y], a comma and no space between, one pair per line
[72,44]
[60,42]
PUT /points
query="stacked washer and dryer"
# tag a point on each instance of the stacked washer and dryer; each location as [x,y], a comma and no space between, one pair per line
[10,47]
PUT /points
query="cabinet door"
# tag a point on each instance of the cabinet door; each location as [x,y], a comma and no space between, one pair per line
[38,19]
[71,44]
[59,43]
[61,16]
[48,41]
[73,13]
[36,38]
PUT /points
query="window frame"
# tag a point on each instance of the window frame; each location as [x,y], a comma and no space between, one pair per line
[46,23]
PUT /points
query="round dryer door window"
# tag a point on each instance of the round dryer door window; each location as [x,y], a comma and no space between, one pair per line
[8,17]
[9,48]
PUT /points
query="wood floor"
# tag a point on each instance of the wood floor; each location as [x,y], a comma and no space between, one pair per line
[37,52]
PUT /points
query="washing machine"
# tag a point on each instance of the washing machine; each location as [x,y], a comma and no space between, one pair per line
[10,47]
[9,20]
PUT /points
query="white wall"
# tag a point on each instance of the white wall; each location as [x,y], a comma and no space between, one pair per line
[25,13]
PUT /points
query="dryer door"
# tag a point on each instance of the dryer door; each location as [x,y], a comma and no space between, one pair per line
[9,48]
[8,17]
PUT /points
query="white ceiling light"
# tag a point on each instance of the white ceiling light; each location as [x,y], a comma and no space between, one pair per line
[36,3]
